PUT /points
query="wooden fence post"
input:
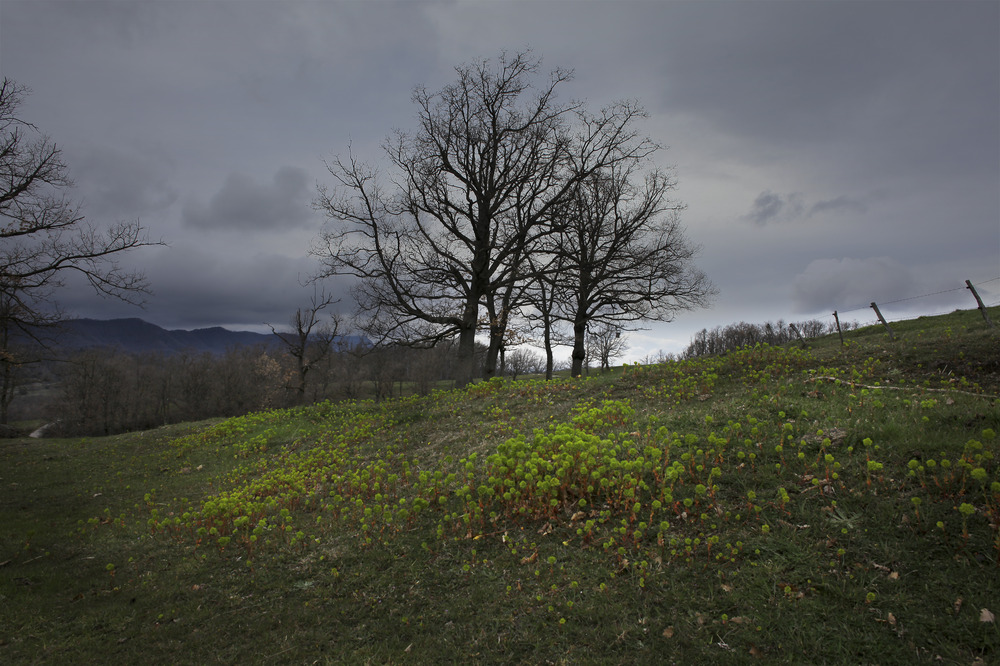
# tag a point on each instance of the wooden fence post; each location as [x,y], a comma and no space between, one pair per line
[798,335]
[884,322]
[982,308]
[839,332]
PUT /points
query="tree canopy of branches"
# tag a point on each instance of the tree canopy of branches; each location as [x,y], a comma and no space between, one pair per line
[44,238]
[470,196]
[623,254]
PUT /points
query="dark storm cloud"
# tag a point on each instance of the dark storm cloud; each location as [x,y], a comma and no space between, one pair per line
[122,183]
[209,286]
[904,84]
[246,205]
[196,287]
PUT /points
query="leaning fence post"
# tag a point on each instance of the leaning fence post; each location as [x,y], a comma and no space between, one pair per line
[839,332]
[982,308]
[882,319]
[798,335]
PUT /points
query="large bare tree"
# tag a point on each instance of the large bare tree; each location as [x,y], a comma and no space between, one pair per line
[468,198]
[624,256]
[44,238]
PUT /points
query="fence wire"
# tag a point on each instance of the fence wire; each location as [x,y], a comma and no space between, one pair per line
[913,298]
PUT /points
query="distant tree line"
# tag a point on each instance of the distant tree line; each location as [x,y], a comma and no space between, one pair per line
[107,390]
[103,391]
[722,339]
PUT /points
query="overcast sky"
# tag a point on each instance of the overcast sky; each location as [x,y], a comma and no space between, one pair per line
[830,153]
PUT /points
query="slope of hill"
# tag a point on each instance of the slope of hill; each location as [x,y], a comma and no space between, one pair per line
[834,504]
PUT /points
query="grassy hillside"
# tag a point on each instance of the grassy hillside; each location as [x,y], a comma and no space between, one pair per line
[823,505]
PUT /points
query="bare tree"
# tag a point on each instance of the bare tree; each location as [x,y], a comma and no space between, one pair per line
[625,257]
[606,343]
[310,339]
[43,237]
[471,196]
[540,305]
[523,361]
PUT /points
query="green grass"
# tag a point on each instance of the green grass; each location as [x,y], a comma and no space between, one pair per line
[827,505]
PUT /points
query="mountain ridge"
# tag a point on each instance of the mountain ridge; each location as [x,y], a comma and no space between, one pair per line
[136,335]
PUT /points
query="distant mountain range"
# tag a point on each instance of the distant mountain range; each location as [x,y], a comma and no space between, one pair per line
[137,335]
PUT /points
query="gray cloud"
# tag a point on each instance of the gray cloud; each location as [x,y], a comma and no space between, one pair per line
[771,207]
[245,205]
[841,204]
[848,283]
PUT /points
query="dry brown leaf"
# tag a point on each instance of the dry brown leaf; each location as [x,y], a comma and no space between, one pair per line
[957,605]
[668,632]
[529,559]
[894,575]
[754,652]
[986,616]
[892,620]
[727,588]
[579,515]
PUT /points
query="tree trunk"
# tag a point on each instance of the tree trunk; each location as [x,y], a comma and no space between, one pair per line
[493,353]
[467,345]
[579,346]
[549,357]
[6,389]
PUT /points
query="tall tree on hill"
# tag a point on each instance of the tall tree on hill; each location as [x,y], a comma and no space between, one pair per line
[624,255]
[468,199]
[44,238]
